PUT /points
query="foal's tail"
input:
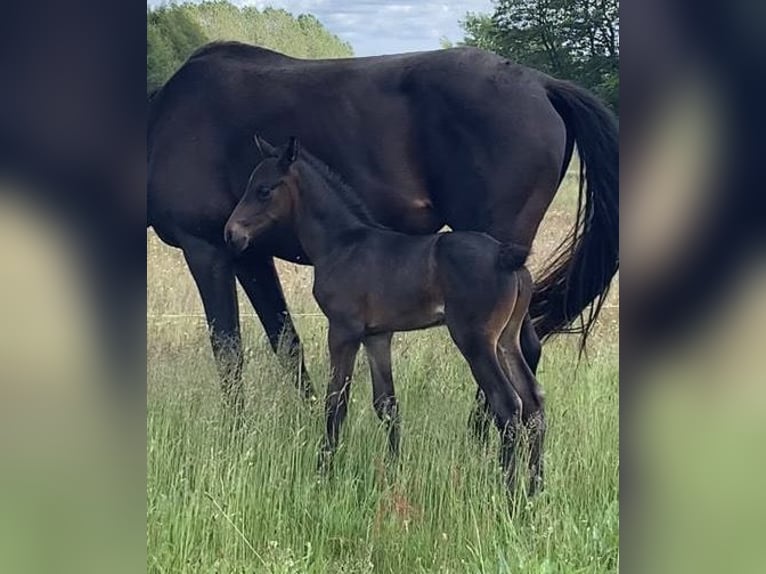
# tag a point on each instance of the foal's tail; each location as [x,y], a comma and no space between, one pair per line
[512,256]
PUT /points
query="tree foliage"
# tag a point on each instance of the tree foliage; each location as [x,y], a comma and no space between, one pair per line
[571,39]
[175,31]
[171,35]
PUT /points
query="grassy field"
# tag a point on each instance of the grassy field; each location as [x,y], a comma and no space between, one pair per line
[220,501]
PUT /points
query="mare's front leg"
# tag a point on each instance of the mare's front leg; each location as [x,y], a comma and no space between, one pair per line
[344,344]
[260,281]
[213,272]
[378,348]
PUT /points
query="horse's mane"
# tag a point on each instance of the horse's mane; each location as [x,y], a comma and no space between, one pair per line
[342,189]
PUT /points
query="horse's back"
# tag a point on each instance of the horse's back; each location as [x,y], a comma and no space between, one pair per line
[232,85]
[404,130]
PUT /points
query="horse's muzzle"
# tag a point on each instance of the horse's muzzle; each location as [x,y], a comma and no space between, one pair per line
[236,236]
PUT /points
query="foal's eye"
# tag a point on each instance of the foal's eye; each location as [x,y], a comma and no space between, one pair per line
[264,192]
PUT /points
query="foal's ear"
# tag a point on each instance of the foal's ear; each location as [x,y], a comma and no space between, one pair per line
[290,154]
[264,147]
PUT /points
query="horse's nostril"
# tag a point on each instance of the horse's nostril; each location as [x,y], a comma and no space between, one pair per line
[229,234]
[235,236]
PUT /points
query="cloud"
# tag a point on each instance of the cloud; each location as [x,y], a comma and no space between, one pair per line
[376,27]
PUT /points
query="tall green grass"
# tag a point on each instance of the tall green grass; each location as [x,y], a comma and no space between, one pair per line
[221,500]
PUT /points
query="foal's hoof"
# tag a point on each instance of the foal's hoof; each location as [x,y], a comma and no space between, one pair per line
[325,462]
[311,401]
[307,393]
[305,387]
[536,486]
[234,420]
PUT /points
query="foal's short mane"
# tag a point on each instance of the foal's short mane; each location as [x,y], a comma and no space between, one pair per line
[343,190]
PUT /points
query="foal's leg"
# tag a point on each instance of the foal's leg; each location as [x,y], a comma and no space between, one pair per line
[344,344]
[522,378]
[480,350]
[480,417]
[378,348]
[531,349]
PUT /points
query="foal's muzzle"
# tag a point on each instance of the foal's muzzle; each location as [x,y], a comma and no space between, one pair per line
[237,236]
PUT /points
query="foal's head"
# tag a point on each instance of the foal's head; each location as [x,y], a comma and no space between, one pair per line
[269,198]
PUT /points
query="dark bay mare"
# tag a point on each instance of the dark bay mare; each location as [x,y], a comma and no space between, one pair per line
[371,281]
[460,137]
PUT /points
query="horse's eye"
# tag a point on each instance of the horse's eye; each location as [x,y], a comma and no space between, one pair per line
[264,192]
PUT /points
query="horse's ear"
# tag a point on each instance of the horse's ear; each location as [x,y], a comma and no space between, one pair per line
[290,154]
[264,147]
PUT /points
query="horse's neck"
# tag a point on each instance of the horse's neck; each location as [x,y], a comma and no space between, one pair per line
[324,221]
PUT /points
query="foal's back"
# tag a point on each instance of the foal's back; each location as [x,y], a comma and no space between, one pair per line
[390,281]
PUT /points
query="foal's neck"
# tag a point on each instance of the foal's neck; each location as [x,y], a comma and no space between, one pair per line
[324,220]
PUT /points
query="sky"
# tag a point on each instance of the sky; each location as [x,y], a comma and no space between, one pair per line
[374,27]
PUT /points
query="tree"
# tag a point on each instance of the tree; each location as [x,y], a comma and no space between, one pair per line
[445,43]
[171,36]
[174,32]
[571,39]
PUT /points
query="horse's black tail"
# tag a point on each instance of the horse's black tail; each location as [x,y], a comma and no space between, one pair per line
[512,256]
[581,271]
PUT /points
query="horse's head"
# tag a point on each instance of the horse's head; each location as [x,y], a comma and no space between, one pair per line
[269,197]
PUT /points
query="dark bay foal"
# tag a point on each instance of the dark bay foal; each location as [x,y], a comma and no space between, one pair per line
[371,282]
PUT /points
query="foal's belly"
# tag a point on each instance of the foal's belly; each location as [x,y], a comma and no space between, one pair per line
[406,320]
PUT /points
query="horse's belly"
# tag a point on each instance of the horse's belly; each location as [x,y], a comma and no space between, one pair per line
[410,320]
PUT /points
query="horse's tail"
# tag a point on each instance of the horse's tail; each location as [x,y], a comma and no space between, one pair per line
[512,256]
[582,268]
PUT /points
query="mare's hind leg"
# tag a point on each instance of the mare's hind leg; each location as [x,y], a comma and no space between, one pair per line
[261,284]
[480,350]
[522,377]
[213,273]
[531,347]
[378,348]
[344,344]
